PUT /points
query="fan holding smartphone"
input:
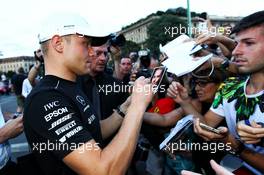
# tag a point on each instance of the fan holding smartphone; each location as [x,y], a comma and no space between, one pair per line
[209,128]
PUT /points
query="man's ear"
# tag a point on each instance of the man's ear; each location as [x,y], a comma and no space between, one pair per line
[57,43]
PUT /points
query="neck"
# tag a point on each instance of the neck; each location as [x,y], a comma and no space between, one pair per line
[255,83]
[119,75]
[60,71]
[93,74]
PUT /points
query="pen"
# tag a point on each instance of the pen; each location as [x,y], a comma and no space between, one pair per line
[204,46]
[247,122]
[194,47]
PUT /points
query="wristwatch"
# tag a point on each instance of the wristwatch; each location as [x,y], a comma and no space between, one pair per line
[238,150]
[225,64]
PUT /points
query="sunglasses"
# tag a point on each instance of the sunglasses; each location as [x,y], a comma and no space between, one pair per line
[203,83]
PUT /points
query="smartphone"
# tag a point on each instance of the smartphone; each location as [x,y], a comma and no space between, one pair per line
[157,75]
[15,115]
[209,128]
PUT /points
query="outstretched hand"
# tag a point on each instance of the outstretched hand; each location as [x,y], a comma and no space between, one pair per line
[208,135]
[178,92]
[219,170]
[142,91]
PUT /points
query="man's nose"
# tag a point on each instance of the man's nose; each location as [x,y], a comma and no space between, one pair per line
[238,50]
[197,87]
[103,57]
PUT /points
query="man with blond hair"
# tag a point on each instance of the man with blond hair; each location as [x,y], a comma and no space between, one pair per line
[60,123]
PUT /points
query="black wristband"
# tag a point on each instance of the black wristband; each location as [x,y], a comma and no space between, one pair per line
[121,113]
[225,64]
[238,150]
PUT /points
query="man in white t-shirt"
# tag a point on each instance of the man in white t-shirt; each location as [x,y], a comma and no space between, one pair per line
[26,88]
[238,99]
[33,77]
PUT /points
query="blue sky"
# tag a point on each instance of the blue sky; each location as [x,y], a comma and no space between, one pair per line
[20,19]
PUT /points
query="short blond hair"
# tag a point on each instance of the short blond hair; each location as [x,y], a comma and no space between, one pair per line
[45,45]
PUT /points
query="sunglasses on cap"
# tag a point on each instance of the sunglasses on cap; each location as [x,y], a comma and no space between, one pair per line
[198,75]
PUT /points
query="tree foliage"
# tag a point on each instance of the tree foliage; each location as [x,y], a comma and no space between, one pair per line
[130,46]
[160,31]
[180,11]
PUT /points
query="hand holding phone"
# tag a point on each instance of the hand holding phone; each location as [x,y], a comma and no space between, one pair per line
[17,114]
[209,128]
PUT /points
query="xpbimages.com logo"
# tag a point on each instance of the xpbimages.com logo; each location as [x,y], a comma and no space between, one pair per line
[179,30]
[211,147]
[59,146]
[117,88]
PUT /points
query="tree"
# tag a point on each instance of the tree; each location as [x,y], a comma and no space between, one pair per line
[180,11]
[163,30]
[130,46]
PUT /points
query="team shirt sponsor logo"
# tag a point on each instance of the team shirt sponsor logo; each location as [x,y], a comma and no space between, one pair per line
[71,133]
[65,127]
[86,107]
[61,120]
[55,113]
[51,105]
[91,119]
[81,100]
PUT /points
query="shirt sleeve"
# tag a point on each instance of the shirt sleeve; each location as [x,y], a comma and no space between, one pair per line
[26,88]
[217,106]
[54,119]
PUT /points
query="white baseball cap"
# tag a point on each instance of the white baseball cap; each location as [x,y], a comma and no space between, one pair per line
[66,24]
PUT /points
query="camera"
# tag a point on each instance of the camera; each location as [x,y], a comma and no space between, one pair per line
[144,57]
[38,57]
[15,115]
[117,40]
[144,72]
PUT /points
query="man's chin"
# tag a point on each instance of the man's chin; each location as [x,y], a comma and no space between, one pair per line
[84,72]
[125,72]
[81,73]
[246,72]
[100,69]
